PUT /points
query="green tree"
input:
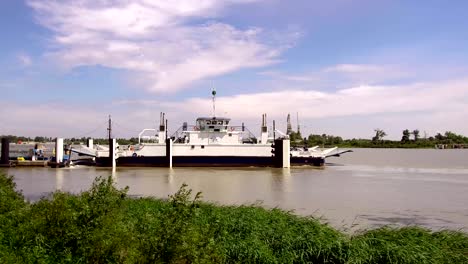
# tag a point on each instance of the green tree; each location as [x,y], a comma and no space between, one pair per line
[454,138]
[416,134]
[295,137]
[439,137]
[406,136]
[313,140]
[379,135]
[39,139]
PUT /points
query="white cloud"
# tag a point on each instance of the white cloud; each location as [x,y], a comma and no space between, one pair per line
[345,75]
[355,68]
[352,112]
[157,40]
[361,100]
[371,73]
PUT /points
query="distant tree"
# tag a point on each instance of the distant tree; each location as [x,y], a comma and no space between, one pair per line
[39,139]
[454,138]
[379,135]
[416,134]
[313,140]
[338,140]
[406,136]
[295,137]
[439,137]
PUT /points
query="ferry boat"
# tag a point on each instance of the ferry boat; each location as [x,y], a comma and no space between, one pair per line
[213,142]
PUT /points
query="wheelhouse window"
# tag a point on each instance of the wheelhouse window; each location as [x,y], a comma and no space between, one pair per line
[213,124]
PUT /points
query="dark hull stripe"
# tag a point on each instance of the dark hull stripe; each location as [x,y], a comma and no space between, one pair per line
[295,161]
[205,161]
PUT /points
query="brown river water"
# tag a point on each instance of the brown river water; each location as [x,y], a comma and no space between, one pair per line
[363,189]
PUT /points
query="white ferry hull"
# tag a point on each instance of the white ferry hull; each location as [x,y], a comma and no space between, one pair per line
[214,143]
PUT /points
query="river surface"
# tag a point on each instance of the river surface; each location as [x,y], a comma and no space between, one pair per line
[363,189]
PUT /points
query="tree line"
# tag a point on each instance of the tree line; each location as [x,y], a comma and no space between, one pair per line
[409,139]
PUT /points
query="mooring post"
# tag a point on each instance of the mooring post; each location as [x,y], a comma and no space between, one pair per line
[90,143]
[281,157]
[58,150]
[169,152]
[277,153]
[286,154]
[112,152]
[5,159]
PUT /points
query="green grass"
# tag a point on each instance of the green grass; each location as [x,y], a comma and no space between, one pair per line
[103,225]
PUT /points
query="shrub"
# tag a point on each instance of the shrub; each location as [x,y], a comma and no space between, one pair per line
[102,225]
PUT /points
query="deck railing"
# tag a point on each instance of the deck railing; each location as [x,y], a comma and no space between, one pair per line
[246,136]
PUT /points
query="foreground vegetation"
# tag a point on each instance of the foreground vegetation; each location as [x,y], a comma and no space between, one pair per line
[103,225]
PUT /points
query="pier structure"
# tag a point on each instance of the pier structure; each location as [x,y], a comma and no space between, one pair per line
[112,145]
[281,153]
[451,146]
[59,150]
[113,152]
[169,152]
[19,161]
[59,155]
[5,159]
[90,143]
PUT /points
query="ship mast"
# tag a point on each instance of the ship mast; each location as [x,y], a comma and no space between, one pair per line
[213,93]
[109,129]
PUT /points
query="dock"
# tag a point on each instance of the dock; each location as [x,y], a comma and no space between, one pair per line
[451,146]
[30,163]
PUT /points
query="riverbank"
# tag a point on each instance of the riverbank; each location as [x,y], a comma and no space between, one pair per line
[422,144]
[399,145]
[104,225]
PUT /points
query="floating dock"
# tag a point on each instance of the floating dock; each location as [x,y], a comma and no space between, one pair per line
[30,163]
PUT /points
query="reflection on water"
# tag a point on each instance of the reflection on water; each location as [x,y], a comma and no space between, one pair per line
[59,180]
[357,189]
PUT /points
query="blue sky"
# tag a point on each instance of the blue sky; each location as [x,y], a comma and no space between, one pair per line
[347,67]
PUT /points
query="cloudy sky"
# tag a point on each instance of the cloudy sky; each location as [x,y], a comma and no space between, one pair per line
[346,67]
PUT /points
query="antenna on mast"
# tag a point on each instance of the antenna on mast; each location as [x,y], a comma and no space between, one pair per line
[298,126]
[213,93]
